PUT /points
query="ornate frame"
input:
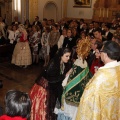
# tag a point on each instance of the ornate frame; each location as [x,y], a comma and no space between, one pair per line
[82,3]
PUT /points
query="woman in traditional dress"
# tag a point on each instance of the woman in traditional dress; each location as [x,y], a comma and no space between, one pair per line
[48,88]
[75,84]
[22,54]
[101,97]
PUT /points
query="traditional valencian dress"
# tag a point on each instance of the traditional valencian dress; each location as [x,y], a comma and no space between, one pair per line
[101,97]
[73,90]
[22,53]
[47,90]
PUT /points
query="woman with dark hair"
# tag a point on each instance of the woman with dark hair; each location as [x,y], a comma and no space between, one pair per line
[75,83]
[48,88]
[18,106]
[68,40]
[101,97]
[27,24]
[53,40]
[96,63]
[45,50]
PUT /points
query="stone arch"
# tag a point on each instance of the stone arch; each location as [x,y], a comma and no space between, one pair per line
[50,10]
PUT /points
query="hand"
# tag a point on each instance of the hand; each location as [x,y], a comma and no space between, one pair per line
[69,72]
[96,68]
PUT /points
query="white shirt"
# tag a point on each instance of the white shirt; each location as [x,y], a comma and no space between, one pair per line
[13,35]
[60,41]
[106,33]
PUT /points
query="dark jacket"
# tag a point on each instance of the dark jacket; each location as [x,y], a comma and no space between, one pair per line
[52,72]
[90,58]
[69,42]
[37,23]
[109,36]
[2,41]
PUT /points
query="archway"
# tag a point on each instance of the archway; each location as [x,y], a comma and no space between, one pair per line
[50,11]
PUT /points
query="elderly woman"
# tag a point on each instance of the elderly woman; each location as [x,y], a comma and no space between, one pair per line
[100,100]
[22,54]
[17,106]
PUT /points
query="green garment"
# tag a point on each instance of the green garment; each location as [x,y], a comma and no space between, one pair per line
[75,85]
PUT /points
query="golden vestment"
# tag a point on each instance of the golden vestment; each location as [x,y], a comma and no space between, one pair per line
[101,97]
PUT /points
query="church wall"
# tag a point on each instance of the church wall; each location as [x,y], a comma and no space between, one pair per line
[77,12]
[42,4]
[36,8]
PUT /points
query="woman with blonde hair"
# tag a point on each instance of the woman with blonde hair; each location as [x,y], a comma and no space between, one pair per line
[22,54]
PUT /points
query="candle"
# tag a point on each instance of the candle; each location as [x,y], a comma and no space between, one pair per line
[100,13]
[107,12]
[103,12]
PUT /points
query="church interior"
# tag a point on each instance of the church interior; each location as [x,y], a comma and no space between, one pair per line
[23,78]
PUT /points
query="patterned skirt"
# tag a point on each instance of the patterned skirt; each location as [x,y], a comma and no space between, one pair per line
[22,54]
[43,101]
[39,95]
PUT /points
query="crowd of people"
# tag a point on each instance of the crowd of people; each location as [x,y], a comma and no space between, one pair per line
[80,79]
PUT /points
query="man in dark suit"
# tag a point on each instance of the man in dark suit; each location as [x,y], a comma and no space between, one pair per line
[37,22]
[91,55]
[91,27]
[98,34]
[108,34]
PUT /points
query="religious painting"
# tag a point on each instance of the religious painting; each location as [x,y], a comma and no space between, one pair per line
[82,3]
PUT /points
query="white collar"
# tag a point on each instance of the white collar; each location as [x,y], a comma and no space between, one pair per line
[79,62]
[111,64]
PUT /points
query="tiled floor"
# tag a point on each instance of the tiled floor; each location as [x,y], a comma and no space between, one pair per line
[14,77]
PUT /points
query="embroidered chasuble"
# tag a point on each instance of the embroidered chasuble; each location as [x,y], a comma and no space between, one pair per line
[101,97]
